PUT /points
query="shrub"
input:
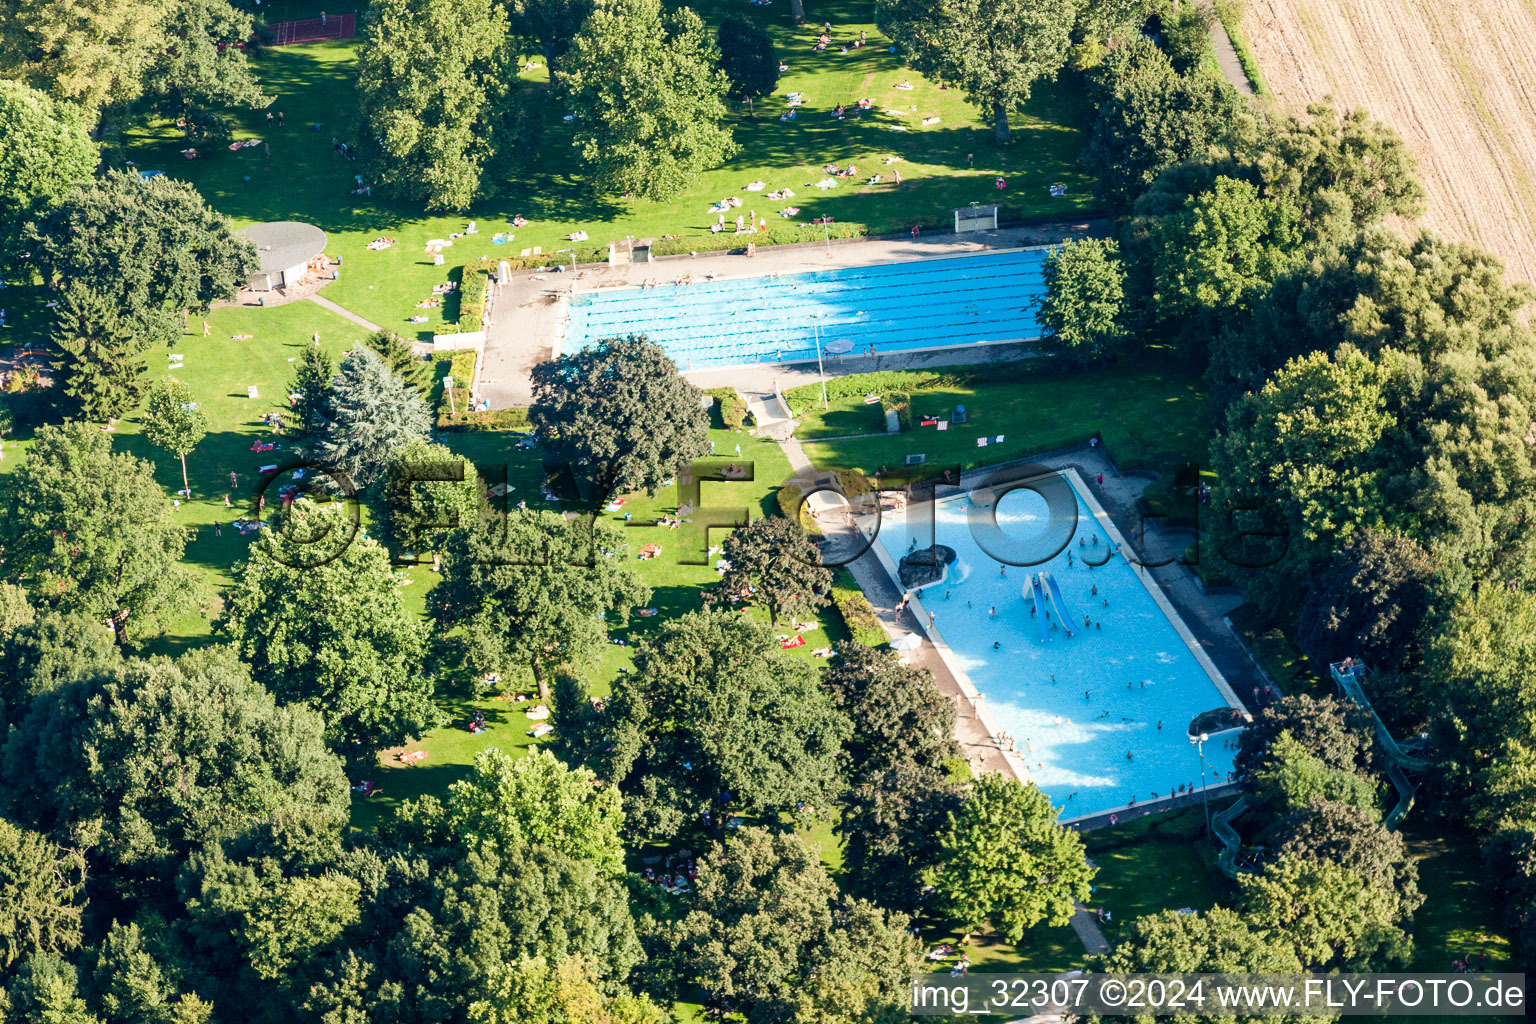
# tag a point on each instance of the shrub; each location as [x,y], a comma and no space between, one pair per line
[901,403]
[473,286]
[513,418]
[729,409]
[776,234]
[858,615]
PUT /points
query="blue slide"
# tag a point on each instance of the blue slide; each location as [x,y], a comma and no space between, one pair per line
[1061,606]
[1034,592]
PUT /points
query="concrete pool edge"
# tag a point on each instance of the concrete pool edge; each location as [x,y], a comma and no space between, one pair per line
[977,699]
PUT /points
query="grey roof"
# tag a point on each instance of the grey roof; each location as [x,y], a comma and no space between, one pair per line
[285,243]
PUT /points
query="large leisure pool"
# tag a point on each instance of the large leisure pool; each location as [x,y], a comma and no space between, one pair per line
[937,303]
[1100,717]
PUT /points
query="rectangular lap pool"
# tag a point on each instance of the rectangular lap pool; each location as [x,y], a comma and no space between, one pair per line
[1099,712]
[937,303]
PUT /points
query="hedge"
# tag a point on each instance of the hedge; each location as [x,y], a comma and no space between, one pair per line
[514,418]
[473,286]
[899,402]
[776,234]
[858,614]
[729,406]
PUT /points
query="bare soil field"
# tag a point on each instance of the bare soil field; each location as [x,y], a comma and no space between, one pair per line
[1456,78]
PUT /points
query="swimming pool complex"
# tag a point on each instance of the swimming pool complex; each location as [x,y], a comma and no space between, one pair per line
[1075,703]
[936,303]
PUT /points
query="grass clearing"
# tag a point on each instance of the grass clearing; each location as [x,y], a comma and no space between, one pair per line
[945,165]
[1146,414]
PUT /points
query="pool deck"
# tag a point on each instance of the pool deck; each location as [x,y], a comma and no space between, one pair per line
[1202,614]
[528,314]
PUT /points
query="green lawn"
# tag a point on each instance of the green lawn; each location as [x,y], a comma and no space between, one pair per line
[1460,915]
[1155,863]
[1145,410]
[305,179]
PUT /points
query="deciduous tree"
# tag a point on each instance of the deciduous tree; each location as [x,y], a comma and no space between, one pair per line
[772,562]
[1356,840]
[1007,861]
[645,88]
[1327,914]
[432,85]
[47,151]
[1291,778]
[620,414]
[332,633]
[429,490]
[995,50]
[92,532]
[173,422]
[748,59]
[715,718]
[1084,292]
[534,589]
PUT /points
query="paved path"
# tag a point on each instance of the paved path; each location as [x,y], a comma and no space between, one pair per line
[322,301]
[1226,55]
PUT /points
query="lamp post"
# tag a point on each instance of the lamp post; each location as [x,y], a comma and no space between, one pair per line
[1199,743]
[826,236]
[819,367]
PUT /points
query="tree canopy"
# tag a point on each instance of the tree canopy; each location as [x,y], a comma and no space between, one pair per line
[369,416]
[533,589]
[1084,293]
[174,423]
[332,634]
[92,532]
[645,87]
[748,59]
[773,563]
[1007,861]
[432,84]
[716,720]
[995,50]
[48,150]
[422,505]
[620,414]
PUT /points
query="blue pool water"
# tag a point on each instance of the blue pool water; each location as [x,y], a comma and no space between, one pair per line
[955,301]
[1136,668]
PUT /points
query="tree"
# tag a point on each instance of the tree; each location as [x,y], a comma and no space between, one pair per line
[423,500]
[402,361]
[511,802]
[532,588]
[46,989]
[898,715]
[1291,778]
[432,87]
[1335,731]
[1186,35]
[995,50]
[748,59]
[149,246]
[761,927]
[369,415]
[1217,940]
[1329,832]
[716,720]
[47,151]
[621,412]
[772,561]
[40,895]
[206,68]
[99,353]
[534,991]
[332,634]
[1084,291]
[312,378]
[173,422]
[645,88]
[48,652]
[1371,603]
[92,54]
[1006,860]
[1149,117]
[91,532]
[1310,446]
[140,769]
[890,823]
[1223,250]
[1327,914]
[130,986]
